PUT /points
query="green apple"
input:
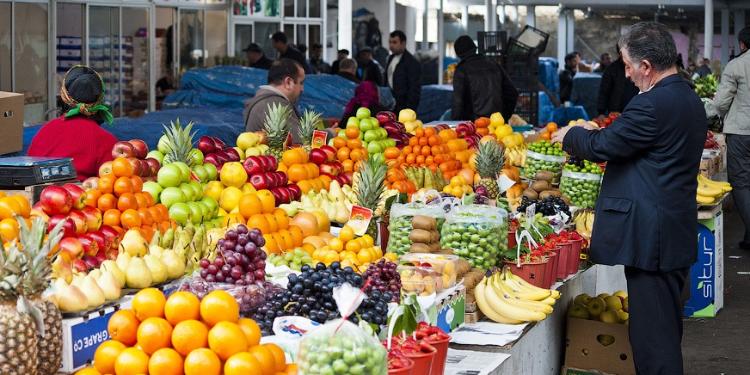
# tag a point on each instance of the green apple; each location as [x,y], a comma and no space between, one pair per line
[188,191]
[195,156]
[390,142]
[352,121]
[365,125]
[213,173]
[205,210]
[211,204]
[172,195]
[378,157]
[156,154]
[184,170]
[180,212]
[163,145]
[374,124]
[383,133]
[169,175]
[371,135]
[363,112]
[196,215]
[200,172]
[153,188]
[374,148]
[197,190]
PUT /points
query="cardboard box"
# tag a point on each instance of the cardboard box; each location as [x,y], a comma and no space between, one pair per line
[583,349]
[451,310]
[81,337]
[707,274]
[11,122]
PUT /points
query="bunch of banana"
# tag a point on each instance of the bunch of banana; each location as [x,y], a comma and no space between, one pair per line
[710,191]
[507,298]
[516,155]
[584,221]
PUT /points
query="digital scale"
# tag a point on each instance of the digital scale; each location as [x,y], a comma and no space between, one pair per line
[22,171]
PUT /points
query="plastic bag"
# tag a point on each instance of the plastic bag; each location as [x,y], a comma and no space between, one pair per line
[476,233]
[250,297]
[581,188]
[536,162]
[403,235]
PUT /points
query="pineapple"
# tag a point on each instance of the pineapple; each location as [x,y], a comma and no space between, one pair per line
[277,127]
[177,144]
[369,185]
[489,163]
[307,125]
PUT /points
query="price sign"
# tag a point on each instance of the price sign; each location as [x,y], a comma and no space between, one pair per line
[359,219]
[319,138]
[87,336]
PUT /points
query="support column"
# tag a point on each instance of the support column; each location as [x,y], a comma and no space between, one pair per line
[465,18]
[489,15]
[708,29]
[391,19]
[441,41]
[51,56]
[425,23]
[570,29]
[724,36]
[345,25]
[562,37]
[531,15]
[739,24]
[501,16]
[410,28]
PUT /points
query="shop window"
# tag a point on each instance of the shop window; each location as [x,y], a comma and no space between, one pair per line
[243,36]
[216,36]
[191,47]
[31,60]
[263,32]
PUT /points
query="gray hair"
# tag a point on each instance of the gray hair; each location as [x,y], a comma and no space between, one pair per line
[347,64]
[650,41]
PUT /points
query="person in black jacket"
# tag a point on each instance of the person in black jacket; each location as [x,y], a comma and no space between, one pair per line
[645,214]
[566,76]
[480,85]
[615,90]
[342,54]
[403,73]
[256,58]
[368,68]
[280,43]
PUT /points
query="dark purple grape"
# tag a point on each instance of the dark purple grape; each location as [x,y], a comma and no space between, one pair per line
[241,229]
[260,265]
[232,261]
[262,255]
[239,282]
[226,268]
[230,244]
[211,278]
[204,273]
[259,274]
[239,248]
[249,278]
[220,277]
[253,235]
[220,243]
[256,231]
[251,248]
[219,262]
[243,239]
[229,279]
[244,260]
[235,273]
[260,241]
[231,234]
[212,269]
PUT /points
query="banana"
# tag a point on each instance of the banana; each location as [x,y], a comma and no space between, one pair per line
[502,290]
[484,307]
[549,300]
[702,199]
[504,308]
[525,285]
[709,191]
[524,293]
[724,186]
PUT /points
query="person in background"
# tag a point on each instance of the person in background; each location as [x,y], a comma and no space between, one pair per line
[475,76]
[615,89]
[582,66]
[367,68]
[652,150]
[732,100]
[366,94]
[77,134]
[403,73]
[566,77]
[704,69]
[281,45]
[348,70]
[342,54]
[256,58]
[316,60]
[164,86]
[604,62]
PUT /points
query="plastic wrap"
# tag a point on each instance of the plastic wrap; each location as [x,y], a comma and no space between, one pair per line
[401,224]
[340,347]
[446,266]
[476,233]
[581,188]
[250,297]
[536,162]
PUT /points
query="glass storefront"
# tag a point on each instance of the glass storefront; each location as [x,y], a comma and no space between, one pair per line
[31,60]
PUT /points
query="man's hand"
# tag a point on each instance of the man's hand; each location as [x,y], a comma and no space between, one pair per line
[559,135]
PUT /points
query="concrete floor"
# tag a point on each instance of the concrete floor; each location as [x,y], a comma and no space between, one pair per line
[720,345]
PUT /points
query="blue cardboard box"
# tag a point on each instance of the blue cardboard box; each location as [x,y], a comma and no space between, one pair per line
[707,274]
[81,337]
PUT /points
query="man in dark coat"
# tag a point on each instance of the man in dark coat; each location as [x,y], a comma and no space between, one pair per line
[256,58]
[348,70]
[566,76]
[342,54]
[480,86]
[403,73]
[646,212]
[615,89]
[368,69]
[281,44]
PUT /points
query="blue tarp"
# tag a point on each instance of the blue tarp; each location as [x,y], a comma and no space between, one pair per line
[548,73]
[586,91]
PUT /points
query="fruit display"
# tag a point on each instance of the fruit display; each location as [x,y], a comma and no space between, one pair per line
[183,334]
[448,267]
[341,348]
[217,153]
[262,174]
[489,163]
[409,118]
[476,233]
[299,170]
[369,188]
[515,150]
[544,156]
[709,192]
[706,86]
[325,158]
[350,250]
[374,139]
[396,130]
[336,202]
[276,128]
[273,223]
[414,228]
[541,187]
[349,148]
[482,125]
[250,297]
[710,142]
[294,259]
[12,207]
[239,260]
[252,143]
[384,277]
[508,299]
[183,196]
[422,178]
[310,294]
[580,182]
[604,307]
[396,178]
[436,150]
[584,222]
[548,206]
[176,144]
[468,131]
[144,162]
[458,187]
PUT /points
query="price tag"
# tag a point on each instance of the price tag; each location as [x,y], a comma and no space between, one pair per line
[531,210]
[319,138]
[359,219]
[504,183]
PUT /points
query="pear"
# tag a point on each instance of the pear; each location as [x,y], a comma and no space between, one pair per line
[95,273]
[614,303]
[623,316]
[109,285]
[155,250]
[92,291]
[133,243]
[596,306]
[157,268]
[111,267]
[609,316]
[123,259]
[68,297]
[621,293]
[174,263]
[342,215]
[137,275]
[336,192]
[578,311]
[603,295]
[582,299]
[62,269]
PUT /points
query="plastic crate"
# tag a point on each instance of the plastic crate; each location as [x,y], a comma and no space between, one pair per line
[492,43]
[527,106]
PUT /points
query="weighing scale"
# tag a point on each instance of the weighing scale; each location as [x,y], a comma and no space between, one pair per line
[22,171]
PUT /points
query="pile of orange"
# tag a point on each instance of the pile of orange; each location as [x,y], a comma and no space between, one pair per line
[120,197]
[350,150]
[548,130]
[432,149]
[350,250]
[184,335]
[273,222]
[483,126]
[396,179]
[10,207]
[298,168]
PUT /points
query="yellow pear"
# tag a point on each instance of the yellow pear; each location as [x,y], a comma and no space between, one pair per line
[109,286]
[111,267]
[137,275]
[133,243]
[68,297]
[122,261]
[156,250]
[174,263]
[157,269]
[92,291]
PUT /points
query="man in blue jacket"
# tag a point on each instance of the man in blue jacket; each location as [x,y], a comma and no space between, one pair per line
[646,212]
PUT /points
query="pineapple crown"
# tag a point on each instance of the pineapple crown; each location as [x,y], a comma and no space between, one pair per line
[370,182]
[276,125]
[178,142]
[307,125]
[489,159]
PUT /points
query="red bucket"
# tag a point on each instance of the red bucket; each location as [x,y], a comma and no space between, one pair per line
[551,271]
[405,370]
[422,362]
[512,239]
[574,259]
[438,363]
[562,262]
[533,272]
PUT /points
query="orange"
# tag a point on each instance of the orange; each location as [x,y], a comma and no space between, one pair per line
[294,156]
[265,357]
[267,201]
[312,170]
[23,205]
[121,167]
[272,225]
[251,331]
[339,142]
[429,132]
[189,335]
[137,183]
[106,183]
[165,361]
[155,214]
[342,154]
[296,173]
[419,132]
[351,132]
[271,246]
[122,326]
[291,369]
[413,141]
[242,364]
[348,165]
[106,354]
[154,334]
[219,306]
[356,154]
[202,362]
[354,144]
[92,196]
[122,185]
[130,219]
[391,152]
[132,361]
[127,201]
[106,202]
[282,220]
[287,238]
[551,127]
[249,205]
[182,306]
[259,221]
[226,339]
[280,243]
[111,217]
[278,356]
[88,371]
[9,229]
[149,303]
[141,200]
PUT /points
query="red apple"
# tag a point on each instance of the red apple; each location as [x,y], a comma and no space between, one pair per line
[110,234]
[385,116]
[77,194]
[276,195]
[211,158]
[140,148]
[123,150]
[206,145]
[329,169]
[295,190]
[80,221]
[222,157]
[232,154]
[259,181]
[153,165]
[105,168]
[80,266]
[218,143]
[137,167]
[90,183]
[100,240]
[72,247]
[253,165]
[330,152]
[68,228]
[91,261]
[93,218]
[318,156]
[55,200]
[273,164]
[90,247]
[145,168]
[101,256]
[283,180]
[286,196]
